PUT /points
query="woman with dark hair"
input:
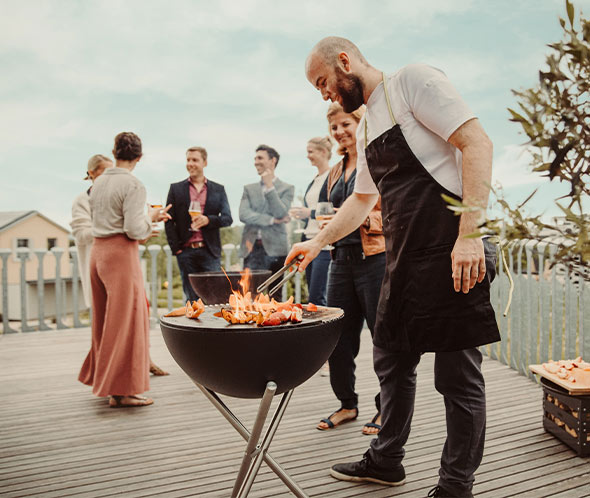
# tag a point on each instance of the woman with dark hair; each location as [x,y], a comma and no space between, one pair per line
[356,273]
[118,362]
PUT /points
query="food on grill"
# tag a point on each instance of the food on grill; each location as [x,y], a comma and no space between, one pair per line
[194,309]
[262,311]
[177,312]
[190,310]
[577,371]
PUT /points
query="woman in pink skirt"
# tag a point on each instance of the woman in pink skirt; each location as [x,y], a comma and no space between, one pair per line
[118,362]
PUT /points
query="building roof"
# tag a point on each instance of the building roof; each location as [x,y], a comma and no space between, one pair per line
[9,219]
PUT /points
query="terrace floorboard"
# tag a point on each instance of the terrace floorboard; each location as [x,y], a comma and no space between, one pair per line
[57,439]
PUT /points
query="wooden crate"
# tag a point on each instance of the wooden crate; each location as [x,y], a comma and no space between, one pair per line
[567,417]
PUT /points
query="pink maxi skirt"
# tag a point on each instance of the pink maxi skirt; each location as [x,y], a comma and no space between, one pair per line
[119,359]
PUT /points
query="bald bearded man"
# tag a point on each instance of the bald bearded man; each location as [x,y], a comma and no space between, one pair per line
[417,141]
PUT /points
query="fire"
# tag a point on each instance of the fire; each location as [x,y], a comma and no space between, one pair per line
[261,309]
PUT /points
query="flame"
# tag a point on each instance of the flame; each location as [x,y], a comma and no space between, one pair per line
[258,309]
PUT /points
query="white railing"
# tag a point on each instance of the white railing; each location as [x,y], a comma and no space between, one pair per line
[549,315]
[66,298]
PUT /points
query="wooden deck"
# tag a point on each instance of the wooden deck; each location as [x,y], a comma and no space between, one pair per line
[56,439]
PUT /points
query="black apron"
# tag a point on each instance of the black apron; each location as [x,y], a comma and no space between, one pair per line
[419,309]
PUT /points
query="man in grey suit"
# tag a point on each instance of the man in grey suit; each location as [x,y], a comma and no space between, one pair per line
[264,210]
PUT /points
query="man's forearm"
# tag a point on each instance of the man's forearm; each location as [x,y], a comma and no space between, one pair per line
[476,149]
[477,176]
[349,217]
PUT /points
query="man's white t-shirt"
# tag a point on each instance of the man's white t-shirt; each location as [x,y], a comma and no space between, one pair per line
[429,110]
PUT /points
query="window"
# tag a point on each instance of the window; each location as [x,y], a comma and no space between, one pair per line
[52,242]
[17,244]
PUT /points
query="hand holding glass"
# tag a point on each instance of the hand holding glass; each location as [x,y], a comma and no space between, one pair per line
[324,212]
[194,210]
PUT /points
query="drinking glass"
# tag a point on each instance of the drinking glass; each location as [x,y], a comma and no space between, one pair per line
[157,205]
[297,203]
[325,211]
[194,210]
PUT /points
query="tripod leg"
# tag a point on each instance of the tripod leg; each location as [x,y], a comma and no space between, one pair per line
[249,453]
[242,431]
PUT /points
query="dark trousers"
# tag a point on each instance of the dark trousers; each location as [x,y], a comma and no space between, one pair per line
[316,275]
[458,377]
[195,261]
[258,259]
[354,283]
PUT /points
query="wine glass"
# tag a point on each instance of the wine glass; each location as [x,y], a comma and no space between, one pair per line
[325,211]
[194,210]
[298,203]
[156,205]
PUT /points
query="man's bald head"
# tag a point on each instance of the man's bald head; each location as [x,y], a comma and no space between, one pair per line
[336,67]
[329,49]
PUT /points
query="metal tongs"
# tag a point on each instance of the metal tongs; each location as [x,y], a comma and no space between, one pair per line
[290,269]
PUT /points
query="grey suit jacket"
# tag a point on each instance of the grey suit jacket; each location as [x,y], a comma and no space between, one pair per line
[257,211]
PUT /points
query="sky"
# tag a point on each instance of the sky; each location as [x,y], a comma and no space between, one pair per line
[229,75]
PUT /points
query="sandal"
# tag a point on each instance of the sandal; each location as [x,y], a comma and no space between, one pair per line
[372,424]
[331,424]
[117,401]
[156,370]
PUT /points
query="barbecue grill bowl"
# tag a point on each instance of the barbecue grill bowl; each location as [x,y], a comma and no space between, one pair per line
[239,360]
[214,287]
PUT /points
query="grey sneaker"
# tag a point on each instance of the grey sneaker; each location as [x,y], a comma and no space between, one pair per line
[366,471]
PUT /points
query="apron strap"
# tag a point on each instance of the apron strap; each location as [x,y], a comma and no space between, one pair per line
[388,108]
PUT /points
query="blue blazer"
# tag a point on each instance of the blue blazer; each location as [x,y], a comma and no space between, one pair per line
[216,209]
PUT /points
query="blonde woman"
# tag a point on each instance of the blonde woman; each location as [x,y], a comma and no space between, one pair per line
[118,362]
[82,222]
[319,152]
[356,272]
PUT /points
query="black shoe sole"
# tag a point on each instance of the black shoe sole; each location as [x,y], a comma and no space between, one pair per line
[346,477]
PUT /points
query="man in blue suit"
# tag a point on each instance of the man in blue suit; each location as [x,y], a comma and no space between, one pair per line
[264,209]
[196,242]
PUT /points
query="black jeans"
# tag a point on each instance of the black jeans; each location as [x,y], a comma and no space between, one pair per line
[195,261]
[458,377]
[354,284]
[258,259]
[316,275]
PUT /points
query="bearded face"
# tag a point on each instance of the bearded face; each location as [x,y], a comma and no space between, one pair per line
[351,90]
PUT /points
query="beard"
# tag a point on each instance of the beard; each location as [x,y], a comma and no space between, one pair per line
[351,91]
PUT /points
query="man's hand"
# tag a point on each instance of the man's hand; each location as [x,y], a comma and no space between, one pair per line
[284,219]
[468,263]
[267,177]
[199,221]
[310,249]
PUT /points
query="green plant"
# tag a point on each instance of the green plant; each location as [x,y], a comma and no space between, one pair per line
[555,117]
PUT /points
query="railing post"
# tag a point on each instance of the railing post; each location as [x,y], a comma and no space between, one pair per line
[298,287]
[154,250]
[75,278]
[40,253]
[57,253]
[23,254]
[543,308]
[570,321]
[519,294]
[532,315]
[555,345]
[228,250]
[168,253]
[5,254]
[511,321]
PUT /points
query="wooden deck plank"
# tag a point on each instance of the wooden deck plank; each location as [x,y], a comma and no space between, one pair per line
[56,439]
